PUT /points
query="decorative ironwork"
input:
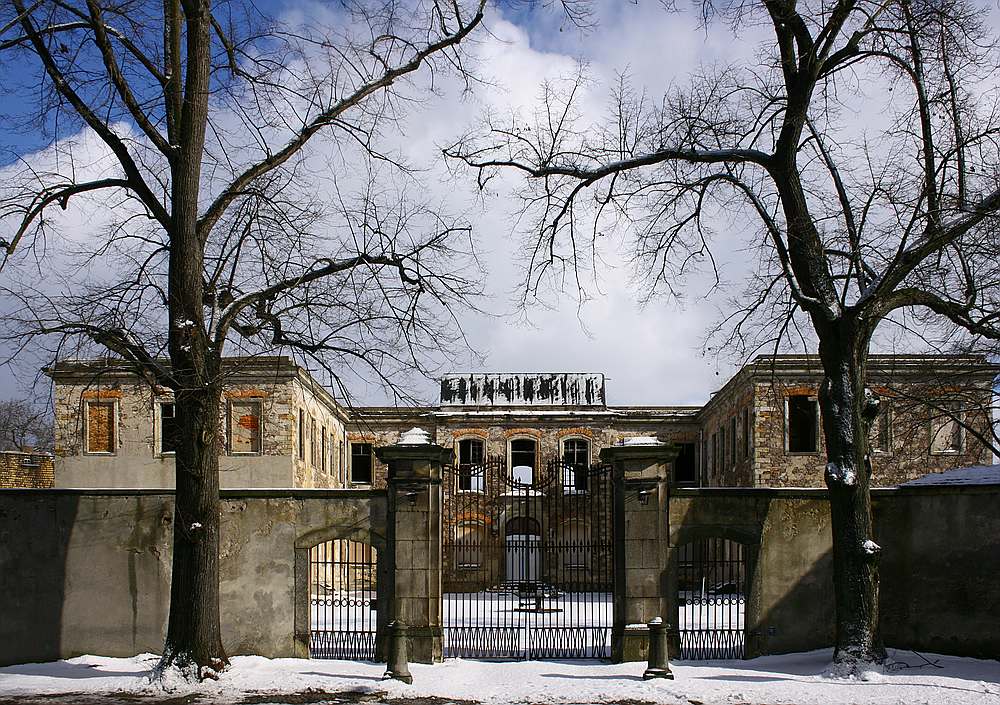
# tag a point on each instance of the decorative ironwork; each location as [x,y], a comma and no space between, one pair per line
[342,588]
[527,559]
[712,581]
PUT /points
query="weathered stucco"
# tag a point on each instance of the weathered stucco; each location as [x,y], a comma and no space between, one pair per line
[89,572]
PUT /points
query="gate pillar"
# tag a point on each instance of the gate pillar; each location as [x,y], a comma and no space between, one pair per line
[413,544]
[640,531]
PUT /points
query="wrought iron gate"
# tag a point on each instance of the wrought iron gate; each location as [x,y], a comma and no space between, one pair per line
[342,588]
[712,585]
[527,559]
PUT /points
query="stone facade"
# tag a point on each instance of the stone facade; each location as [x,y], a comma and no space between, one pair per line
[742,437]
[282,428]
[907,440]
[25,469]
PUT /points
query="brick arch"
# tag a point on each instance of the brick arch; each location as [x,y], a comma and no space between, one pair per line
[581,432]
[525,432]
[462,433]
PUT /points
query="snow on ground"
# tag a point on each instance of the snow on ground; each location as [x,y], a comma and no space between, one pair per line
[973,475]
[771,680]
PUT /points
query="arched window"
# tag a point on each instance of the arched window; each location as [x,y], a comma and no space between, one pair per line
[471,471]
[470,538]
[576,465]
[523,460]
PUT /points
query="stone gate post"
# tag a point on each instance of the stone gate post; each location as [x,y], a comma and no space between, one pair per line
[413,540]
[640,494]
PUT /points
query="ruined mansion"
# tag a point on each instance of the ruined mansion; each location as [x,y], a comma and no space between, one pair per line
[284,429]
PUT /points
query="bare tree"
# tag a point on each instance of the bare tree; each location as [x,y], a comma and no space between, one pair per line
[862,141]
[23,426]
[222,225]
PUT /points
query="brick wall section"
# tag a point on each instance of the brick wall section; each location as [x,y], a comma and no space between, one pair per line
[32,470]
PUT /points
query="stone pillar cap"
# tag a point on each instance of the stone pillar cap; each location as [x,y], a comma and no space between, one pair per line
[414,437]
[643,441]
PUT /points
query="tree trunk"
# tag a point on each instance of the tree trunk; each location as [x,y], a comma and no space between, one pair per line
[194,641]
[848,412]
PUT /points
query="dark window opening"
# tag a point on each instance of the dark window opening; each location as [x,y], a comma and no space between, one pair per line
[732,441]
[745,422]
[471,473]
[522,455]
[685,470]
[361,463]
[168,428]
[802,424]
[576,459]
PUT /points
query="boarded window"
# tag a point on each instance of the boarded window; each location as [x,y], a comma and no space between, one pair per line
[471,473]
[361,463]
[244,426]
[802,423]
[946,432]
[101,427]
[168,427]
[576,456]
[685,471]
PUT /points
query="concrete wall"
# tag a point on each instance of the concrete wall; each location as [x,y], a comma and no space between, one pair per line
[940,567]
[89,571]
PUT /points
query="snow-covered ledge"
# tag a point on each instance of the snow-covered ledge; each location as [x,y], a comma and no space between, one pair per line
[643,441]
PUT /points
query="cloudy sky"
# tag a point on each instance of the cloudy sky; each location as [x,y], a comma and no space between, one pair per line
[651,355]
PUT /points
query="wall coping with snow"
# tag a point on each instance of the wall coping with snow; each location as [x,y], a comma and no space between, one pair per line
[233,493]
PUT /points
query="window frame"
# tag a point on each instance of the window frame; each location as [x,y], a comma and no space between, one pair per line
[955,416]
[482,465]
[746,446]
[574,488]
[479,526]
[883,424]
[302,435]
[158,435]
[510,457]
[113,403]
[259,402]
[371,463]
[817,446]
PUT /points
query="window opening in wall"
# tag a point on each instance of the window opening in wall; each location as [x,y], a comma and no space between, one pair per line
[722,446]
[946,431]
[802,423]
[576,465]
[470,537]
[244,427]
[685,473]
[471,473]
[522,460]
[745,423]
[361,463]
[168,428]
[704,459]
[313,443]
[881,437]
[302,435]
[100,431]
[732,441]
[322,460]
[715,452]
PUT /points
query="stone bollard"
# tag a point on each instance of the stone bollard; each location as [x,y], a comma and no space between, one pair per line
[397,667]
[658,665]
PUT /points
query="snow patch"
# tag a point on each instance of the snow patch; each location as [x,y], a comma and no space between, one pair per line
[803,679]
[870,547]
[195,526]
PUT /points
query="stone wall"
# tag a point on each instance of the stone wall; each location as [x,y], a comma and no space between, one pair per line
[940,562]
[88,571]
[19,469]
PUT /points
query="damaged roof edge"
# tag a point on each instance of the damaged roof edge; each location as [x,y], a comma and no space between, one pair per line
[560,389]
